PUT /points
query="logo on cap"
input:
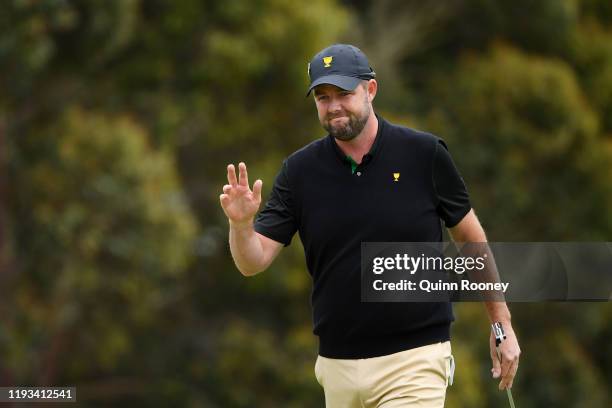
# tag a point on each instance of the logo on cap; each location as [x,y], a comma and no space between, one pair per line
[396,176]
[327,61]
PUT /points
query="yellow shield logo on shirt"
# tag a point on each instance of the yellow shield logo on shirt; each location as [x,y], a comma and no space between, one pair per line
[396,176]
[327,61]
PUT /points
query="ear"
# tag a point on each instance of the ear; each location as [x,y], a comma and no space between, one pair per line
[372,89]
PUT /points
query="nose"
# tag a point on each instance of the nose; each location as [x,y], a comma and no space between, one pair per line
[334,105]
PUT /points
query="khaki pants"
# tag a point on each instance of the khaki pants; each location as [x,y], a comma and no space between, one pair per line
[413,378]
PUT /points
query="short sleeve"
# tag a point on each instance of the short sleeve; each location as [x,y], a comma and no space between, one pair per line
[277,220]
[453,198]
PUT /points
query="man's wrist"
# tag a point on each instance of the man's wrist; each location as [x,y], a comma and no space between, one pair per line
[503,317]
[241,225]
[498,312]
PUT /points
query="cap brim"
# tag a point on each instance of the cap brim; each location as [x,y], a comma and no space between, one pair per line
[344,82]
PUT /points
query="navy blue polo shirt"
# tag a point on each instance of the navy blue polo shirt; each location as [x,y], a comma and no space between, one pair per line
[401,192]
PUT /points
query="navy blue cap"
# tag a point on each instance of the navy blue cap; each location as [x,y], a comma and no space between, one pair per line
[342,65]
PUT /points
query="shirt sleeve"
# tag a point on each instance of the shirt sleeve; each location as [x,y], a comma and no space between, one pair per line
[277,220]
[453,198]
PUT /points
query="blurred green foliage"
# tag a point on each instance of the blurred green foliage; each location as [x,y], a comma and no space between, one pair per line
[117,119]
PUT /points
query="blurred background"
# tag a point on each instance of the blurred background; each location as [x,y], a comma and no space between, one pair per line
[118,118]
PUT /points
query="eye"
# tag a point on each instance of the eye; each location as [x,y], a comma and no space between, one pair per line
[321,98]
[345,93]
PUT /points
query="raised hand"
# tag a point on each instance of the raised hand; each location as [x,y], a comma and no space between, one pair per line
[239,203]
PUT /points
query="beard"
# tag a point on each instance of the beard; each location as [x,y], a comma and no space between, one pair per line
[349,130]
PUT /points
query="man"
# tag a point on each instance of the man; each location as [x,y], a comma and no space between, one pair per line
[367,181]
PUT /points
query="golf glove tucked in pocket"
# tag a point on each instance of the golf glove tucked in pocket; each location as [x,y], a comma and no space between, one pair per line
[450,370]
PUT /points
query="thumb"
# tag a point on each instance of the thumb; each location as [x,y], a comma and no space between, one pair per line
[224,198]
[496,370]
[257,189]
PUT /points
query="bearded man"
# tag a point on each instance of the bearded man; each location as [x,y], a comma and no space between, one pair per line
[368,180]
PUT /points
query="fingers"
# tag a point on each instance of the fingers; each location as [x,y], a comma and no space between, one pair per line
[505,368]
[231,175]
[508,376]
[496,370]
[243,179]
[509,368]
[495,358]
[257,189]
